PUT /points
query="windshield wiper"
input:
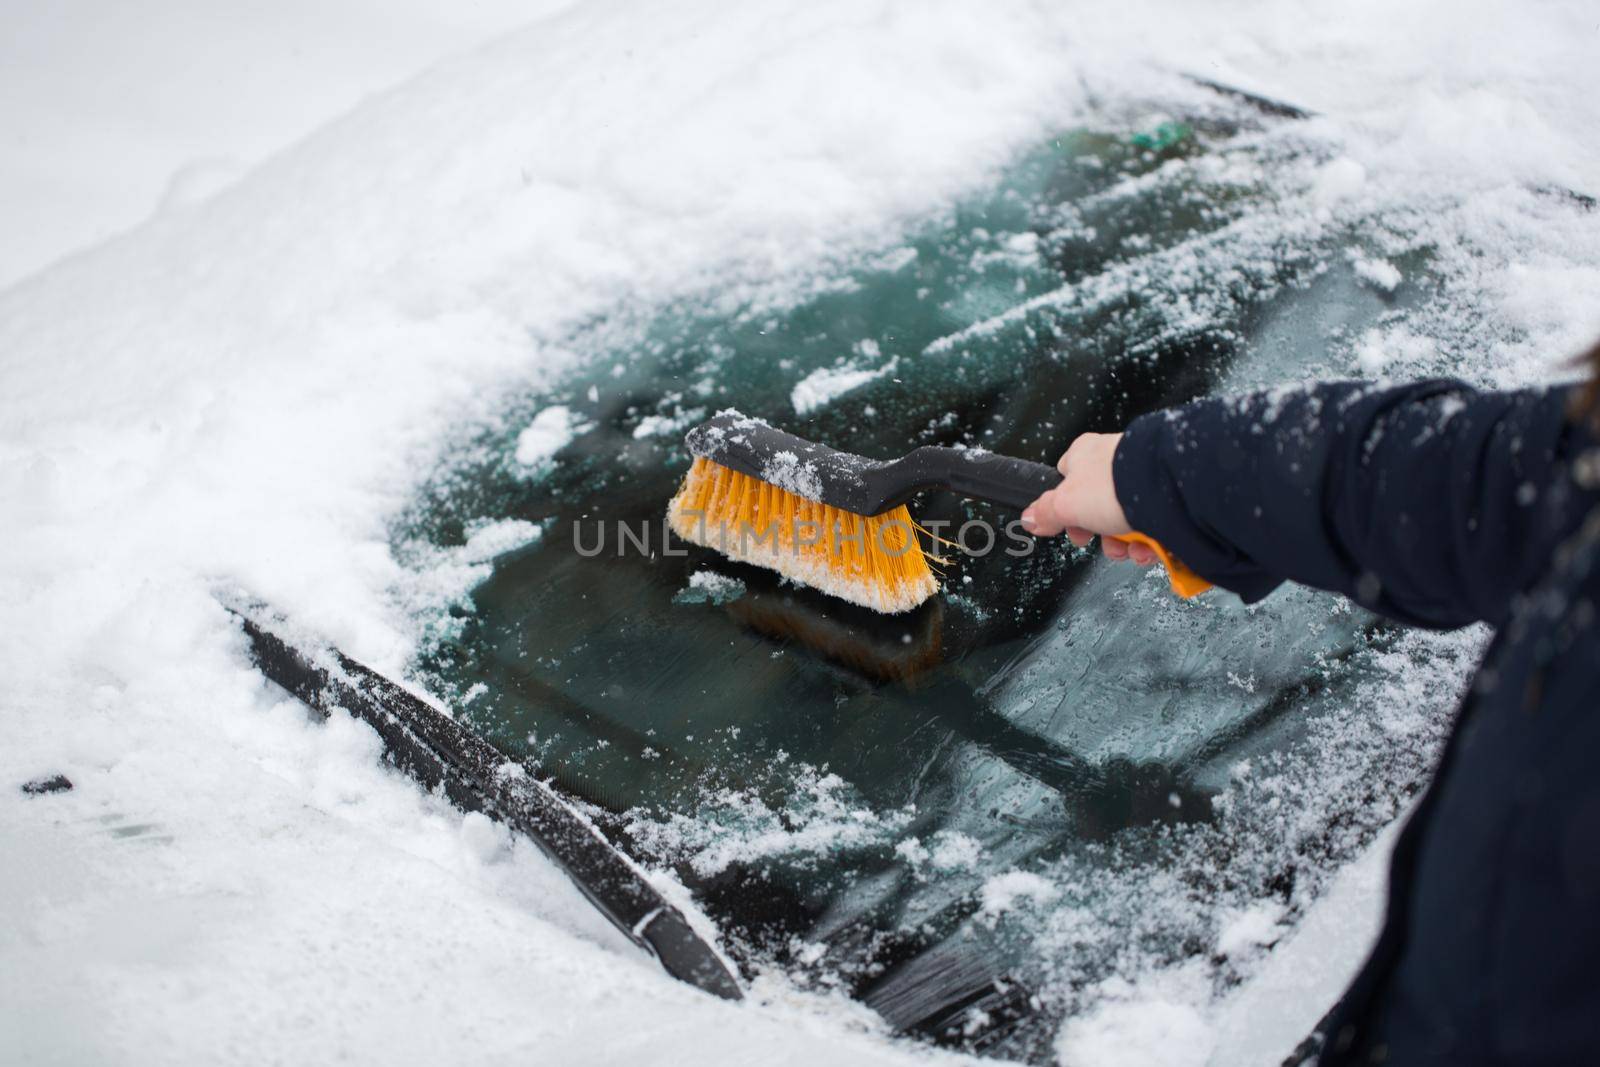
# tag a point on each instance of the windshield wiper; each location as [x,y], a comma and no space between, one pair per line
[441,754]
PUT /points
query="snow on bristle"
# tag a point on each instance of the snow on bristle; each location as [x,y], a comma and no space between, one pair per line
[875,561]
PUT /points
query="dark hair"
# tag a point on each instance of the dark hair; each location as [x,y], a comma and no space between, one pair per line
[1586,401]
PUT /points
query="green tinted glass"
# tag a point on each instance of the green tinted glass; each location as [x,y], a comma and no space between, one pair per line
[850,794]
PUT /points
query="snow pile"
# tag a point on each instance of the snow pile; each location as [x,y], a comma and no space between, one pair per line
[1003,892]
[948,850]
[1376,349]
[1138,1028]
[551,431]
[1253,927]
[659,425]
[709,587]
[246,390]
[821,387]
[1378,273]
[493,539]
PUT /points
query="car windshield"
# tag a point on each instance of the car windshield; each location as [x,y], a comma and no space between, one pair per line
[970,810]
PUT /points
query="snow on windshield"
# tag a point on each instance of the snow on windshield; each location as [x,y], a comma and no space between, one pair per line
[991,818]
[260,388]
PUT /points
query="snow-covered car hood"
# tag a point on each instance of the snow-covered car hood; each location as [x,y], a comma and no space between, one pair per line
[256,387]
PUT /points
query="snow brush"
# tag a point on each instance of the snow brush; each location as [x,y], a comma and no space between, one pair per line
[838,522]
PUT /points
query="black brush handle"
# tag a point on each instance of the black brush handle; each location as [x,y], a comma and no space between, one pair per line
[1004,480]
[861,485]
[1016,483]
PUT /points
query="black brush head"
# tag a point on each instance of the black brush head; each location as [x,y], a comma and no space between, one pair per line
[805,468]
[858,484]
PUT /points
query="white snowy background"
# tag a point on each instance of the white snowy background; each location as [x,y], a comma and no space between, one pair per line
[352,226]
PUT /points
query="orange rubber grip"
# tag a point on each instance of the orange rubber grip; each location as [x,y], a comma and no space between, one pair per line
[1185,582]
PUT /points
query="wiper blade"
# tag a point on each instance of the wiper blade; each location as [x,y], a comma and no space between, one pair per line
[440,753]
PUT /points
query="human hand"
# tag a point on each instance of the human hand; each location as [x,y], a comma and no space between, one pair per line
[1085,504]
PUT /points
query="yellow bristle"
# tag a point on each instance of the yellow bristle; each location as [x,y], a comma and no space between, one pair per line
[872,560]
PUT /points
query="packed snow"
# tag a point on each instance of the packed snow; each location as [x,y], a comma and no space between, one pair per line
[247,390]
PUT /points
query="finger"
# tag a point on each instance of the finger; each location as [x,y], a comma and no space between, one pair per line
[1143,555]
[1039,517]
[1079,535]
[1113,548]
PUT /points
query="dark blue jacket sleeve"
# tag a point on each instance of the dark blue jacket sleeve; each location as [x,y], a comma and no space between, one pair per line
[1431,503]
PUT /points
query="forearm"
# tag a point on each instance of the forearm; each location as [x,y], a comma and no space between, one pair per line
[1430,502]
